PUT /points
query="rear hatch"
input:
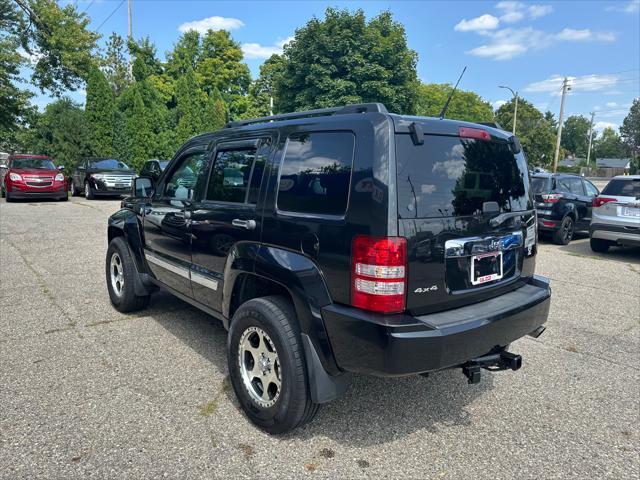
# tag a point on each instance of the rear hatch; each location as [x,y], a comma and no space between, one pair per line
[465,207]
[619,202]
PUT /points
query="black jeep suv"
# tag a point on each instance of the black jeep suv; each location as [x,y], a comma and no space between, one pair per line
[336,241]
[563,203]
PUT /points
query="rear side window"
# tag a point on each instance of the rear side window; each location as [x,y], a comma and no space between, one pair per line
[316,173]
[570,184]
[623,188]
[448,176]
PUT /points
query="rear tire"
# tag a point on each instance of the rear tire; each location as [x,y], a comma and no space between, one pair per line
[264,337]
[74,191]
[598,245]
[120,272]
[565,233]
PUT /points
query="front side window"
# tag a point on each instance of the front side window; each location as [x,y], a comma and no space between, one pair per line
[185,183]
[316,173]
[571,185]
[592,191]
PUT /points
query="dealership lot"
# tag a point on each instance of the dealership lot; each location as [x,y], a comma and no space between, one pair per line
[88,392]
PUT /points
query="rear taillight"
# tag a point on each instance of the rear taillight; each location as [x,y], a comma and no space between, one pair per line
[379,273]
[551,197]
[599,201]
[477,133]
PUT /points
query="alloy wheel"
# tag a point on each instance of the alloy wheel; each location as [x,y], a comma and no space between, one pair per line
[260,366]
[117,274]
[568,230]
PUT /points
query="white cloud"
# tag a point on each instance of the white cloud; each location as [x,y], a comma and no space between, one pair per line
[632,6]
[255,50]
[481,23]
[211,23]
[600,126]
[584,83]
[498,103]
[611,104]
[509,42]
[516,11]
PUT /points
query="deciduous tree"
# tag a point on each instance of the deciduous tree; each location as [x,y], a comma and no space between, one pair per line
[575,135]
[465,105]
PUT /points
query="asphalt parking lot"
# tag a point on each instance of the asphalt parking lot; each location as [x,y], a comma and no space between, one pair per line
[87,392]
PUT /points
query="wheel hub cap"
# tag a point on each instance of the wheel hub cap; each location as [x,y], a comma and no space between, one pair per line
[117,274]
[259,366]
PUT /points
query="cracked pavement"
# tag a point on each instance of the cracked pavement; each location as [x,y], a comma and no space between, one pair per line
[87,392]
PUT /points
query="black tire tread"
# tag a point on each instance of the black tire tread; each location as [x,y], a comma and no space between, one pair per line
[130,302]
[281,311]
[558,238]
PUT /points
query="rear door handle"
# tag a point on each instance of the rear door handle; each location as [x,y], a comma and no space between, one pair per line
[248,224]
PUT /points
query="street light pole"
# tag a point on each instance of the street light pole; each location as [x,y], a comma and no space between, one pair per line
[515,111]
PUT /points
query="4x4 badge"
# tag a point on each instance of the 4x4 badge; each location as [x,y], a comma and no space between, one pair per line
[432,288]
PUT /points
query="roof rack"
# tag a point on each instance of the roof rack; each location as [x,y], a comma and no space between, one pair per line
[320,112]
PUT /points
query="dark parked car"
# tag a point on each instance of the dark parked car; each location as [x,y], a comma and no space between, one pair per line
[32,176]
[563,203]
[101,176]
[336,241]
[153,168]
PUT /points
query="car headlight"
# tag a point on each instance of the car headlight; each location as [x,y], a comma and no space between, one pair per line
[97,176]
[15,177]
[59,178]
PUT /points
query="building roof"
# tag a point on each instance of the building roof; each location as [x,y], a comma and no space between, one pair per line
[613,162]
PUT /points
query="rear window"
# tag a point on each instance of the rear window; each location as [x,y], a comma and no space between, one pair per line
[540,184]
[623,187]
[449,176]
[316,172]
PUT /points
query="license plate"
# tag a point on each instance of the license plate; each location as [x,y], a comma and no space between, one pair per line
[486,267]
[630,212]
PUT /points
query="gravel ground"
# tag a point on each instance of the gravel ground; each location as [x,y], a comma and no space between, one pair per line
[87,392]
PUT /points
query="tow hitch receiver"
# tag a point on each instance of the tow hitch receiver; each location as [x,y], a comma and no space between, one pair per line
[496,361]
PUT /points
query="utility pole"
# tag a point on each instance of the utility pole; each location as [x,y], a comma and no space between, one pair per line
[565,88]
[130,37]
[515,111]
[590,138]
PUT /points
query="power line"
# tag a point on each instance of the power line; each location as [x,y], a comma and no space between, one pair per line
[87,7]
[110,15]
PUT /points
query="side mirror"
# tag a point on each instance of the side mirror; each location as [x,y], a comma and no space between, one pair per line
[60,167]
[4,165]
[142,187]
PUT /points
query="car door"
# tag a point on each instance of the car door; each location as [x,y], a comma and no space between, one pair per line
[591,193]
[167,233]
[227,214]
[581,201]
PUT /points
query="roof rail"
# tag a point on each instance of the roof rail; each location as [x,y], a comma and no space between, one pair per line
[320,112]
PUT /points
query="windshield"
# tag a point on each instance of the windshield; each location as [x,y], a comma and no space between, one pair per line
[109,163]
[540,184]
[29,162]
[623,187]
[450,177]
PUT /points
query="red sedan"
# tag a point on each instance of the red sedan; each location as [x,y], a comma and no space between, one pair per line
[33,176]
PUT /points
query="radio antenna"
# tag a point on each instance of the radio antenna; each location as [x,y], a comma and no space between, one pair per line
[446,105]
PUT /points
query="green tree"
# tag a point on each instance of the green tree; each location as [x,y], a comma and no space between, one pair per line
[609,145]
[345,59]
[14,102]
[536,135]
[575,135]
[145,62]
[465,105]
[261,91]
[137,131]
[190,106]
[116,66]
[630,133]
[62,133]
[100,113]
[59,41]
[216,112]
[185,54]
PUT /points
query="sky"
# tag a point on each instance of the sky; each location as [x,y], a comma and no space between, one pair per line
[528,46]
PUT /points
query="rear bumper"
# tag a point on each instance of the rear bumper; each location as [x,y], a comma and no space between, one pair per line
[628,235]
[548,224]
[390,345]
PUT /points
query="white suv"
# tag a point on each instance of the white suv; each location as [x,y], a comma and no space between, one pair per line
[615,217]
